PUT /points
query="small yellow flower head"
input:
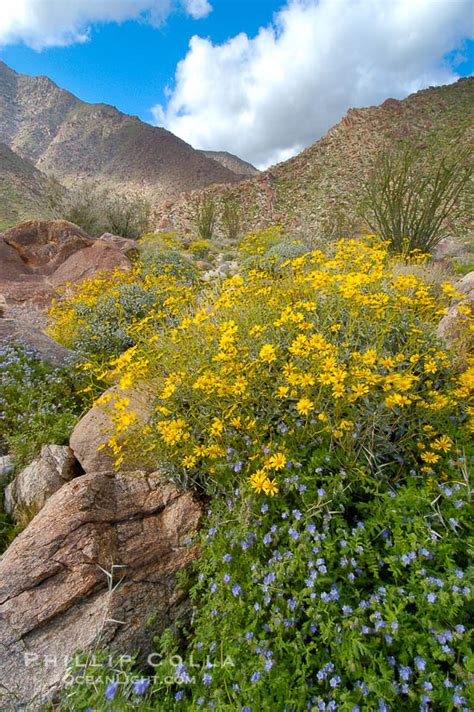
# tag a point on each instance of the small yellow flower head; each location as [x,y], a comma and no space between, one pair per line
[430,366]
[267,353]
[173,431]
[430,457]
[305,406]
[270,487]
[443,443]
[257,480]
[277,461]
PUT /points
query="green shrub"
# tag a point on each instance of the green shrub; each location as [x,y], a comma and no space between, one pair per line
[105,326]
[409,197]
[230,219]
[100,316]
[159,259]
[205,218]
[199,248]
[317,408]
[99,210]
[284,252]
[39,401]
[276,258]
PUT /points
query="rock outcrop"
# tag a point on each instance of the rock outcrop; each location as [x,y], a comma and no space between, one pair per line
[124,244]
[99,257]
[27,494]
[43,245]
[452,324]
[466,286]
[90,436]
[12,266]
[21,330]
[40,256]
[92,567]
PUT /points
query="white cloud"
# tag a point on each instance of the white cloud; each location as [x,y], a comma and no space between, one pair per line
[197,8]
[267,97]
[51,23]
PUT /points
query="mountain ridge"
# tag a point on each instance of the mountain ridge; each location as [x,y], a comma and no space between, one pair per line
[232,162]
[22,188]
[315,192]
[80,141]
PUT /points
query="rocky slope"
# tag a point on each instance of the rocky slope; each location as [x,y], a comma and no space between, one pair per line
[21,188]
[75,140]
[233,163]
[315,192]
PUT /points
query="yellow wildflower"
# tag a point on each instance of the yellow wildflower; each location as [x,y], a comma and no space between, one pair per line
[270,487]
[257,480]
[443,443]
[173,431]
[267,353]
[430,457]
[277,461]
[305,406]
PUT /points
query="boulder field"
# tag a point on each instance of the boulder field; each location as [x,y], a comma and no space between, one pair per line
[40,256]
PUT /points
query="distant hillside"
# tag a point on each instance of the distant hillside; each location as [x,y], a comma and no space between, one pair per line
[75,140]
[21,189]
[316,191]
[233,163]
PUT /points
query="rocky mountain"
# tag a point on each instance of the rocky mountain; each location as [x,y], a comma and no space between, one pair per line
[316,192]
[74,140]
[233,163]
[21,188]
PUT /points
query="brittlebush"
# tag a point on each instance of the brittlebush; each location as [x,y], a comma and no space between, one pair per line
[333,574]
[335,349]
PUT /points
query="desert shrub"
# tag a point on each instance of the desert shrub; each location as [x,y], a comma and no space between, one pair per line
[269,249]
[99,318]
[104,327]
[98,210]
[333,431]
[161,256]
[408,198]
[259,242]
[230,219]
[205,218]
[199,248]
[39,401]
[282,254]
[127,215]
[335,346]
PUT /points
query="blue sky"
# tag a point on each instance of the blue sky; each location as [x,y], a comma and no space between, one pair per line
[265,94]
[129,64]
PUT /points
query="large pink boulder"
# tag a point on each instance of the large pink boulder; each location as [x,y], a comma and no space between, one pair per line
[45,244]
[99,257]
[91,569]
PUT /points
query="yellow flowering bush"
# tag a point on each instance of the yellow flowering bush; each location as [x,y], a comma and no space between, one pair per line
[258,242]
[100,317]
[334,573]
[336,352]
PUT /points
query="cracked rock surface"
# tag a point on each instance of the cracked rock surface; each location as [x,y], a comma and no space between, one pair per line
[30,489]
[55,597]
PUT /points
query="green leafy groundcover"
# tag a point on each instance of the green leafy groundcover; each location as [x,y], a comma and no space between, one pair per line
[343,592]
[39,401]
